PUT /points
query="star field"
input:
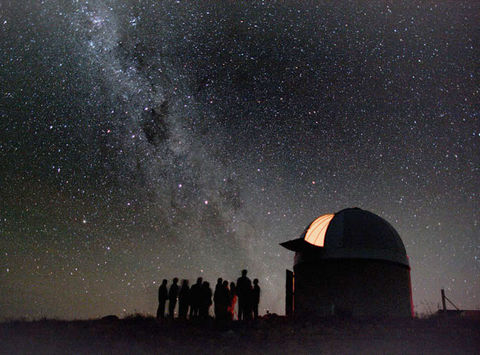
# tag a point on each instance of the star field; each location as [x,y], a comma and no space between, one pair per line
[142,140]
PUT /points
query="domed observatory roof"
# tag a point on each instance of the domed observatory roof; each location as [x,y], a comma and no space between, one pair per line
[351,233]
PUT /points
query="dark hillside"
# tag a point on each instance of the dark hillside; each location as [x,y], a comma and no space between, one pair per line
[140,335]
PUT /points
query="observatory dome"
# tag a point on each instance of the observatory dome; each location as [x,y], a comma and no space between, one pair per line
[351,233]
[352,262]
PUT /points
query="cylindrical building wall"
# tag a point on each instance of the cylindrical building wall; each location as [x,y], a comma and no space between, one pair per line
[352,287]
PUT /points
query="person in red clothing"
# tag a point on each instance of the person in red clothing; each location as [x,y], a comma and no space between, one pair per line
[233,301]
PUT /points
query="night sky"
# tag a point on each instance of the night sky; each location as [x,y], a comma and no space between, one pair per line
[142,140]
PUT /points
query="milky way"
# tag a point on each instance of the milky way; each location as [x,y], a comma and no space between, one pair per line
[143,140]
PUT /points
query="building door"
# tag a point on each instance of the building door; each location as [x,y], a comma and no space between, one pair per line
[289,293]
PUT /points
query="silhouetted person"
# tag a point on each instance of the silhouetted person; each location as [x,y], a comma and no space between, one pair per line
[223,301]
[255,298]
[162,299]
[183,300]
[233,300]
[205,300]
[248,305]
[243,291]
[195,299]
[216,295]
[172,298]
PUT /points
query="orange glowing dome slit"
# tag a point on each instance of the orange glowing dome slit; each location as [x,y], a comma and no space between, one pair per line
[316,232]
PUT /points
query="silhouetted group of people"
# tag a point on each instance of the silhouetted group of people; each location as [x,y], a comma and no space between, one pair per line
[196,301]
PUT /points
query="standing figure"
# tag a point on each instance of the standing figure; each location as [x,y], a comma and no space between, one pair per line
[206,300]
[243,290]
[172,298]
[255,298]
[162,299]
[195,298]
[233,301]
[183,300]
[248,307]
[216,298]
[224,301]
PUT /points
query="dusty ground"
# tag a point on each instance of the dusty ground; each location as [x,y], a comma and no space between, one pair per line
[276,335]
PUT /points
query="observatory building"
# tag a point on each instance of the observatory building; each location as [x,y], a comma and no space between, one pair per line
[350,263]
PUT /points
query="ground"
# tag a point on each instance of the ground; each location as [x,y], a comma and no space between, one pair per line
[272,335]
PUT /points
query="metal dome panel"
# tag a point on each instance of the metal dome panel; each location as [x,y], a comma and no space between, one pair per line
[315,234]
[348,234]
